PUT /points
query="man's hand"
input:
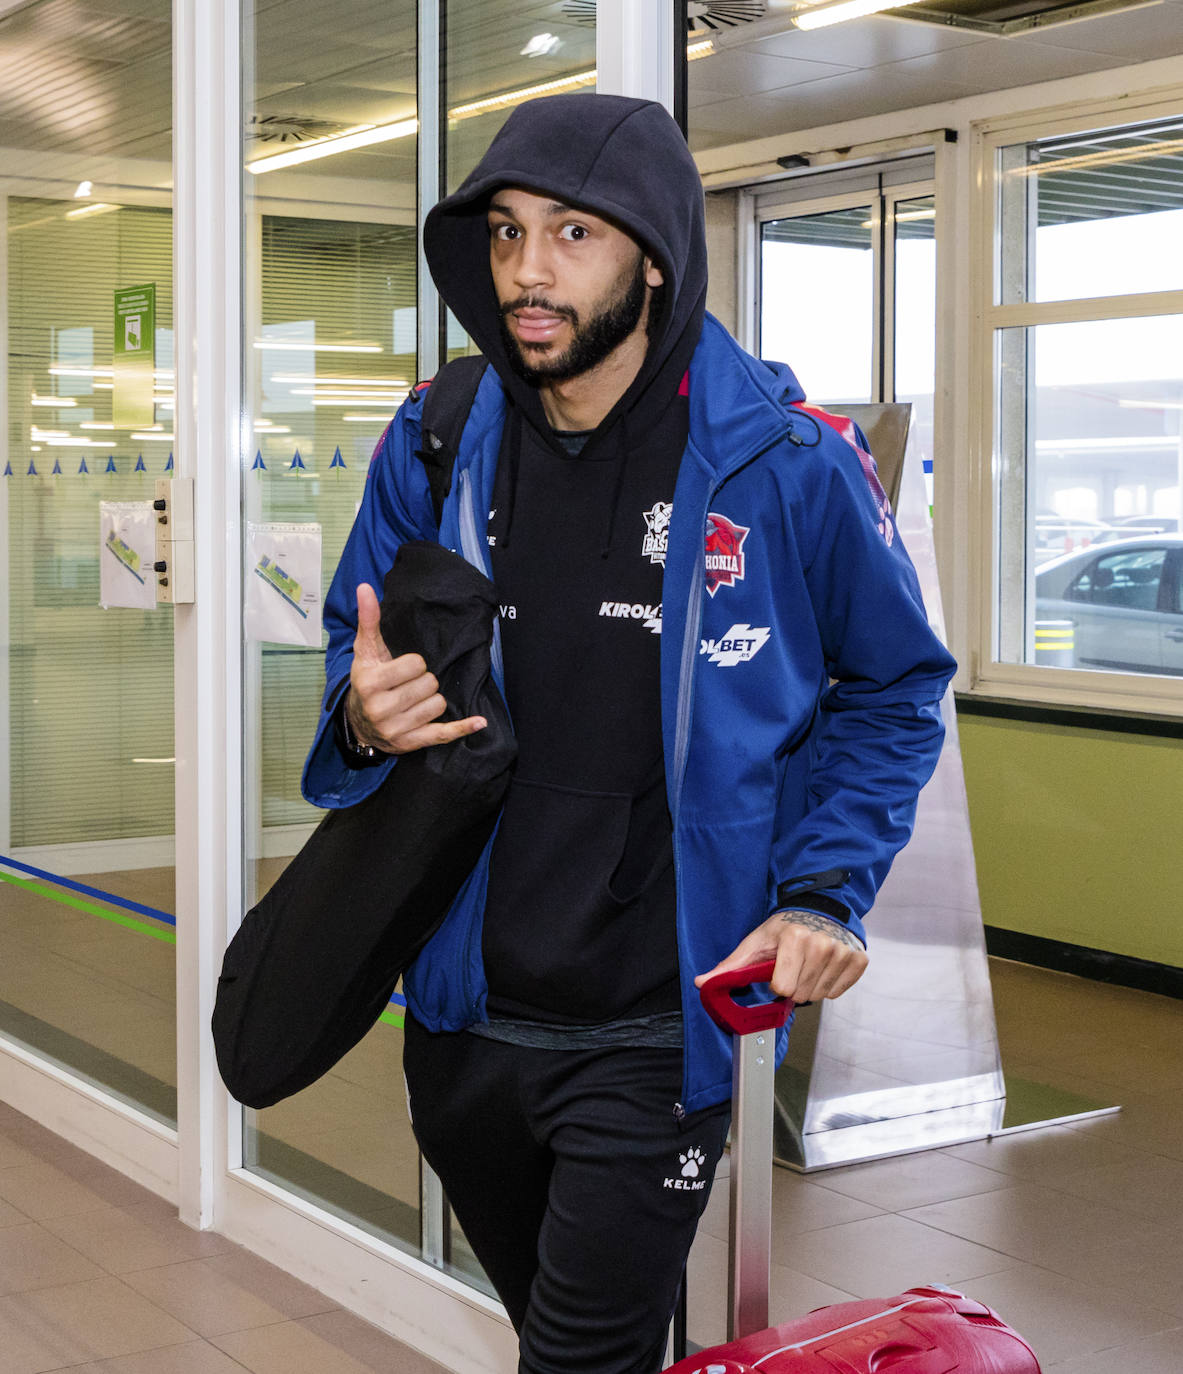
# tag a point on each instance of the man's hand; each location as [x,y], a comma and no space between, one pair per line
[815,957]
[392,701]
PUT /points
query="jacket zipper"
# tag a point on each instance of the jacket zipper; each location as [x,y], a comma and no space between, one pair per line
[476,553]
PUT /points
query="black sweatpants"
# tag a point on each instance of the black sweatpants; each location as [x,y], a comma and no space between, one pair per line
[578,1187]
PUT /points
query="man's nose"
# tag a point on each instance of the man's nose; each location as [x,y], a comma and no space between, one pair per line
[533,266]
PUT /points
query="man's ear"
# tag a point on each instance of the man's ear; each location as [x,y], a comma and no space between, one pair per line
[653,274]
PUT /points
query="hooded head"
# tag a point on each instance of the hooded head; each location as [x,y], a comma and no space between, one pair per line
[625,161]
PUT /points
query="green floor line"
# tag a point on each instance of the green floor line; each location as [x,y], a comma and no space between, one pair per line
[392,1018]
[168,936]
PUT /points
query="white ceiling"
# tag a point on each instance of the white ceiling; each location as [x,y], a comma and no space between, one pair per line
[93,76]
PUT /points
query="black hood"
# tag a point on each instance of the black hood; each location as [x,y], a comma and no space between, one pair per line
[621,158]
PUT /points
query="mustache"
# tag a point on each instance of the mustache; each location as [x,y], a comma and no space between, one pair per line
[539,303]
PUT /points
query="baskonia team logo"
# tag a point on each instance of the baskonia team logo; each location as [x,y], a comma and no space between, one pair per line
[724,552]
[657,532]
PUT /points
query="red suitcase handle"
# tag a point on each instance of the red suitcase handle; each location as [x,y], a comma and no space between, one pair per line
[727,1013]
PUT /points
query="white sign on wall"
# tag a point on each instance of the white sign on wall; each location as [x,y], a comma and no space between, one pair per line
[127,535]
[282,591]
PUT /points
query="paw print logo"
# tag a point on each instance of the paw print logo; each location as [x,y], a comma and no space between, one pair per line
[691,1162]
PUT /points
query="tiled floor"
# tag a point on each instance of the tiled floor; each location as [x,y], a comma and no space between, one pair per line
[1074,1233]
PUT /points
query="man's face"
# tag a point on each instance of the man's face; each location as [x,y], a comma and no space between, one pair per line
[571,286]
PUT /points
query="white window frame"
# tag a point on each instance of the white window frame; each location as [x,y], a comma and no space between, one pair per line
[1143,694]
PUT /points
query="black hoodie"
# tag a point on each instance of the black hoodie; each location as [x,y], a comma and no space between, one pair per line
[579,923]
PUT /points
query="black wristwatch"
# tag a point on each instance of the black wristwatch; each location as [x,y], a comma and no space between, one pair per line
[355,751]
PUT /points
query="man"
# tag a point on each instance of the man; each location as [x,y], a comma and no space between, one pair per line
[725,695]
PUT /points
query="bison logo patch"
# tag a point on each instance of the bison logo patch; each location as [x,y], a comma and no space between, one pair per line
[724,552]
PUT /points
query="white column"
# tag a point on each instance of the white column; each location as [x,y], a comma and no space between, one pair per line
[635,49]
[207,218]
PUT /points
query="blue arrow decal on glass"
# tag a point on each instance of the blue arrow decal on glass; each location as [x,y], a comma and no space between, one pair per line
[168,467]
[259,465]
[338,461]
[139,467]
[57,468]
[83,469]
[32,472]
[297,462]
[8,469]
[111,465]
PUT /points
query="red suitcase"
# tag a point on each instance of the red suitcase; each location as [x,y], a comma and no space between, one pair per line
[927,1330]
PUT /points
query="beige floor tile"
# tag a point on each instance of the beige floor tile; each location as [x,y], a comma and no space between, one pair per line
[1038,1225]
[194,1358]
[266,1284]
[884,1255]
[791,1293]
[798,1205]
[1158,1354]
[1150,1186]
[206,1301]
[373,1348]
[1043,1155]
[122,1241]
[1063,1320]
[894,1185]
[32,1258]
[43,1191]
[292,1348]
[98,1319]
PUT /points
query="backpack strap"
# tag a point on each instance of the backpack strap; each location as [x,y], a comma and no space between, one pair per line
[450,397]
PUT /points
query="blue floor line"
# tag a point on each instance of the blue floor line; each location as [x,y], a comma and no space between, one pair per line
[98,892]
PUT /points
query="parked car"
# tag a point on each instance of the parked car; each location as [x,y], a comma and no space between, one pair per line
[1114,605]
[1147,524]
[1060,534]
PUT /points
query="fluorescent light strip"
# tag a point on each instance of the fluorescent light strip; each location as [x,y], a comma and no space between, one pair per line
[361,136]
[88,211]
[54,402]
[819,16]
[338,381]
[1101,159]
[367,135]
[148,434]
[82,372]
[96,424]
[345,393]
[384,403]
[294,346]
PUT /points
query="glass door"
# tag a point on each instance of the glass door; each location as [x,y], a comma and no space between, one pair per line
[847,290]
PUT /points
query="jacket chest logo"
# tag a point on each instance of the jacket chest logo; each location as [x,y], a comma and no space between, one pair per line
[657,532]
[724,552]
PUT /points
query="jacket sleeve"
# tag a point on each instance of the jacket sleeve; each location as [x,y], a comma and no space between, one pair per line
[396,507]
[877,733]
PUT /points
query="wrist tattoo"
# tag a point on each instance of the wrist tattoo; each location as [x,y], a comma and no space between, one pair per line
[811,920]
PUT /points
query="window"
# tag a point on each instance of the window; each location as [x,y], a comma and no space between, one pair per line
[1085,319]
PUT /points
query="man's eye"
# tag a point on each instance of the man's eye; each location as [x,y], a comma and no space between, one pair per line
[503,232]
[573,232]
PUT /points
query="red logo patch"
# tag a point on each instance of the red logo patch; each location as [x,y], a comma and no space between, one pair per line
[724,552]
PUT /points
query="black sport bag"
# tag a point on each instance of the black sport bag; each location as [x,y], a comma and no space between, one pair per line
[313,965]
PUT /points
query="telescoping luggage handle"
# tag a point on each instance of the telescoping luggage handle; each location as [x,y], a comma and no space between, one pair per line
[754,1063]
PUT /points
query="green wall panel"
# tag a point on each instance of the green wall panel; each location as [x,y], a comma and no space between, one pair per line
[1076,834]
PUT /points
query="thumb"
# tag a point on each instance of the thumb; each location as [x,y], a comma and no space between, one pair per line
[368,644]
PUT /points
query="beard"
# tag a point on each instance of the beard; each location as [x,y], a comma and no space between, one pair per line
[611,322]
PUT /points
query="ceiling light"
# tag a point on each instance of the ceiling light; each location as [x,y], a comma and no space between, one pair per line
[84,189]
[523,93]
[1101,159]
[542,45]
[67,442]
[98,208]
[362,136]
[96,424]
[104,386]
[56,402]
[338,381]
[296,346]
[151,434]
[819,16]
[81,371]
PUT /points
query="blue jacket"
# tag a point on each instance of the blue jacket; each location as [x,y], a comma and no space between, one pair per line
[800,681]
